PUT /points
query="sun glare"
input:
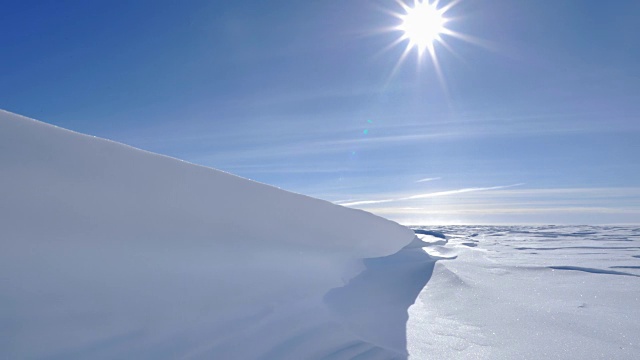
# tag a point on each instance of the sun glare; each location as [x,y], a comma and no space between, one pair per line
[422,25]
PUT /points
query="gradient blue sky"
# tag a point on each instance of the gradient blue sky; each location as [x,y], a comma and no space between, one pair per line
[537,122]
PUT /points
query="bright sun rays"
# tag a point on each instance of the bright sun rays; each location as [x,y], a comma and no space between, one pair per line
[422,24]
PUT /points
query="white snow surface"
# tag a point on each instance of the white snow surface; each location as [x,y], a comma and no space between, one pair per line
[109,252]
[530,292]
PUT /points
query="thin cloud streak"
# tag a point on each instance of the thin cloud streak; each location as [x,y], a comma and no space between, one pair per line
[596,191]
[459,191]
[428,179]
[300,149]
[428,195]
[289,137]
[519,206]
[503,211]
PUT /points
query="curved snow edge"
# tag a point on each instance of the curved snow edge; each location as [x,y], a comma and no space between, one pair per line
[114,252]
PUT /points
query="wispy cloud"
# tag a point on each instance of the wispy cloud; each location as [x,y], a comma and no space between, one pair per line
[485,211]
[459,191]
[301,149]
[428,195]
[428,179]
[368,202]
[520,206]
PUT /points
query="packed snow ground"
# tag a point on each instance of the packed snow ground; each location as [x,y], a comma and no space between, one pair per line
[547,292]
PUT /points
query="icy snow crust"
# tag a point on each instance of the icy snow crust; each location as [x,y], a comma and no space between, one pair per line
[112,252]
[529,292]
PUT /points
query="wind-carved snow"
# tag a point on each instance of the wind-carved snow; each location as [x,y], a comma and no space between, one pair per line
[530,292]
[112,252]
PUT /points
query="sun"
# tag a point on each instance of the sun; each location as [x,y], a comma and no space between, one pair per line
[422,25]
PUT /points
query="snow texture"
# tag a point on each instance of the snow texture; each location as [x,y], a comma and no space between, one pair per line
[530,292]
[109,252]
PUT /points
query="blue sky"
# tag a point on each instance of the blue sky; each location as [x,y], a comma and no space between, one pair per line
[535,121]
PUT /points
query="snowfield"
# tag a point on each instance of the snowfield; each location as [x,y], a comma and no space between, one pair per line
[530,292]
[109,252]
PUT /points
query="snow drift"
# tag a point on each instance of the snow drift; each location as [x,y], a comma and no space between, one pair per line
[112,252]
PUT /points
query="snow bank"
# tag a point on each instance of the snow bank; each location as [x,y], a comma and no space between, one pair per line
[112,252]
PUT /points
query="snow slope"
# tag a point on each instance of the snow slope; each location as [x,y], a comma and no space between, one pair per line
[112,252]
